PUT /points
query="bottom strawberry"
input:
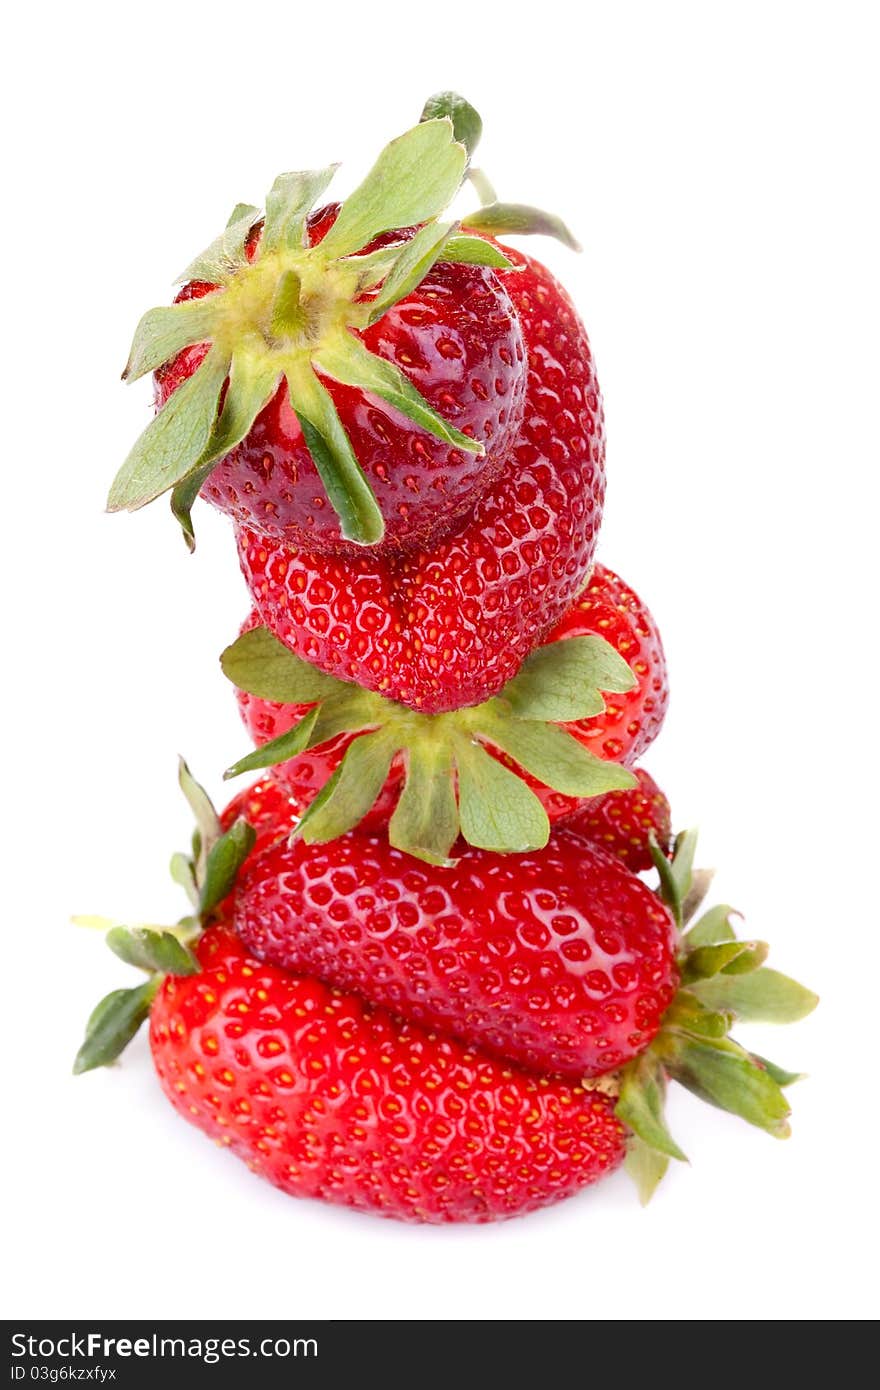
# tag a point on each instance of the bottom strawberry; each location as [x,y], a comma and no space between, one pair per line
[325,1096]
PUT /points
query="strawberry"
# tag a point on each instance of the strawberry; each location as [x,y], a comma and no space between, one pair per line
[621,730]
[456,338]
[326,1096]
[562,961]
[448,625]
[623,822]
[353,376]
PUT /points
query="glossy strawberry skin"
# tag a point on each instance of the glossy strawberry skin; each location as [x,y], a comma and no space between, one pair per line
[267,806]
[560,960]
[447,626]
[621,822]
[458,339]
[327,1097]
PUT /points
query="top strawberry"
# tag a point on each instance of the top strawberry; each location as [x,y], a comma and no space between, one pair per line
[366,356]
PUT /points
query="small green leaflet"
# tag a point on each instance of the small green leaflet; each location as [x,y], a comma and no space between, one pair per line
[258,663]
[724,1074]
[519,219]
[765,996]
[413,262]
[349,362]
[474,250]
[112,1025]
[163,332]
[562,680]
[412,181]
[425,822]
[223,862]
[554,756]
[497,810]
[226,254]
[640,1105]
[349,492]
[645,1166]
[467,125]
[172,442]
[353,789]
[152,950]
[288,203]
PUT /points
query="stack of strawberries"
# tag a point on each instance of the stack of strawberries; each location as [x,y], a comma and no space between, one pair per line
[424,972]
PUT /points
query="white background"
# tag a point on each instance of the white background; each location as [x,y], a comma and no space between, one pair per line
[719,164]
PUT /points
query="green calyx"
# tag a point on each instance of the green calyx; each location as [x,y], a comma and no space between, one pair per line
[452,784]
[207,875]
[723,982]
[292,314]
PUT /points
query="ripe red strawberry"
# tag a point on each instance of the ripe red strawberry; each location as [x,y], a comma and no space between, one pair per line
[626,726]
[449,625]
[456,338]
[326,1096]
[621,822]
[562,961]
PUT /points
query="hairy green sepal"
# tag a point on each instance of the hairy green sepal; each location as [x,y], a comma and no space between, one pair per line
[207,877]
[452,784]
[723,982]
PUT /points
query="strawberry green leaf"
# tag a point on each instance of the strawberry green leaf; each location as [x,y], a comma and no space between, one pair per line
[497,810]
[712,928]
[641,1102]
[240,211]
[352,790]
[425,820]
[467,125]
[225,255]
[413,262]
[562,680]
[207,820]
[183,872]
[350,363]
[413,180]
[701,882]
[174,441]
[689,1013]
[473,250]
[518,219]
[676,874]
[349,492]
[373,266]
[113,1024]
[765,996]
[224,860]
[645,1166]
[152,951]
[724,1074]
[277,750]
[288,204]
[778,1074]
[163,332]
[554,756]
[347,711]
[258,663]
[252,384]
[731,957]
